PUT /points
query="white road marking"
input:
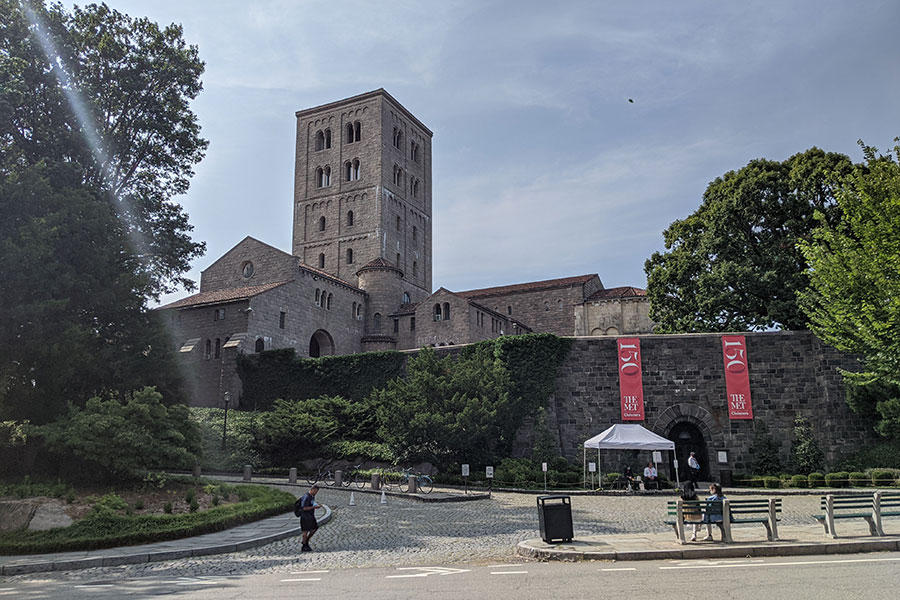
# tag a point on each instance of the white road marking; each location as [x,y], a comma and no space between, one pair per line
[306,572]
[621,569]
[307,579]
[428,571]
[7,593]
[198,583]
[508,572]
[785,564]
[94,585]
[502,566]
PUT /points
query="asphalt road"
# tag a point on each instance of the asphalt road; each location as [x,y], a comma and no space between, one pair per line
[871,576]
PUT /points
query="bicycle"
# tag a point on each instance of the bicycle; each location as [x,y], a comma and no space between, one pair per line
[388,479]
[326,477]
[424,484]
[354,476]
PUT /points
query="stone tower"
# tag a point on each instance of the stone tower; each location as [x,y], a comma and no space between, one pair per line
[362,190]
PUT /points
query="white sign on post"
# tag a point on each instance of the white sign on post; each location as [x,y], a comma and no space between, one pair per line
[592,467]
[657,456]
[544,467]
[489,472]
[465,470]
[676,464]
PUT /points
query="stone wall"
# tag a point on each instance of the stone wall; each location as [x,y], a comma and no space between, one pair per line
[614,317]
[791,374]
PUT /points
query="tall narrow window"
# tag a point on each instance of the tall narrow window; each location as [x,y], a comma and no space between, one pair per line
[326,181]
[398,222]
[398,260]
[437,314]
[415,188]
[412,323]
[322,260]
[355,171]
[396,325]
[318,299]
[399,143]
[349,256]
[327,139]
[208,351]
[330,296]
[446,311]
[359,312]
[349,218]
[376,319]
[218,348]
[281,318]
[406,298]
[321,223]
[415,268]
[353,311]
[260,345]
[348,171]
[320,177]
[415,234]
[357,131]
[320,141]
[349,133]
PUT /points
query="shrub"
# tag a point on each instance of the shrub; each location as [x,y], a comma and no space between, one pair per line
[190,495]
[806,455]
[772,482]
[799,481]
[215,501]
[360,450]
[515,470]
[112,501]
[167,508]
[816,480]
[840,479]
[193,505]
[858,479]
[764,451]
[883,477]
[139,504]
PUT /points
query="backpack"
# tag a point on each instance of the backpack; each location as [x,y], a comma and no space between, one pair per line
[298,507]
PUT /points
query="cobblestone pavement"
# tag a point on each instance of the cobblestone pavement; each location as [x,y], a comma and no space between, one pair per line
[409,533]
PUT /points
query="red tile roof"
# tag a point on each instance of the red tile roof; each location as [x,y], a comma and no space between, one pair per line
[625,291]
[219,296]
[527,287]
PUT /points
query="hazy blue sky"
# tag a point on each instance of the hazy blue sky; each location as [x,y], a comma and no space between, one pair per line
[542,167]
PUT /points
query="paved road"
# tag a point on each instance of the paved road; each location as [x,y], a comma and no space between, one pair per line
[409,533]
[870,576]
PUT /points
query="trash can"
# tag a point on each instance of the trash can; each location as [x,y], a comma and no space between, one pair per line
[725,477]
[555,516]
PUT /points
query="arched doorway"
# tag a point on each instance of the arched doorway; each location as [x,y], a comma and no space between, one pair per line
[688,438]
[321,344]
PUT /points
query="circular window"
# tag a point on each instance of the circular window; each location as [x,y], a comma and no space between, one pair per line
[247,269]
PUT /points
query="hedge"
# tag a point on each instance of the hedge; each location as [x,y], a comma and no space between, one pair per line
[104,528]
[859,479]
[816,480]
[840,479]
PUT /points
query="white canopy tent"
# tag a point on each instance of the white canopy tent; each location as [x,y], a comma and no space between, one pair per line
[628,437]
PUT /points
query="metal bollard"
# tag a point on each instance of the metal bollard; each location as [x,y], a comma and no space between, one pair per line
[247,469]
[412,484]
[376,481]
[292,475]
[338,478]
[196,472]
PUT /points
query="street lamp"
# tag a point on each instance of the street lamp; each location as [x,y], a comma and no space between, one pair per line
[225,422]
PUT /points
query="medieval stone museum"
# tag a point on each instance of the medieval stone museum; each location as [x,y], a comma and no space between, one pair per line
[358,278]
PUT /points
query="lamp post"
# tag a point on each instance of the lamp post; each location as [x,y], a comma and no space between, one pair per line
[225,422]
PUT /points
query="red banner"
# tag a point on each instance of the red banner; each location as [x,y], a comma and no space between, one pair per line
[737,377]
[631,390]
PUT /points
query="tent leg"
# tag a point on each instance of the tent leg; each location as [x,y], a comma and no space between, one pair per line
[584,468]
[677,479]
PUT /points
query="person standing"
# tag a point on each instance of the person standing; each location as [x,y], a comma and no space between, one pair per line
[693,468]
[308,523]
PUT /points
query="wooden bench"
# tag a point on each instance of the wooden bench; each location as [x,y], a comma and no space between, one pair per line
[765,511]
[870,507]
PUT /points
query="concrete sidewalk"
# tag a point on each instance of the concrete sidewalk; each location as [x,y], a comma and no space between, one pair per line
[235,539]
[749,541]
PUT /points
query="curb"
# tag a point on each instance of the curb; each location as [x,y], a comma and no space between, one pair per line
[417,497]
[145,557]
[741,551]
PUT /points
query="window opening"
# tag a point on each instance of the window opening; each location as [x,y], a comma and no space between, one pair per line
[350,218]
[218,348]
[281,317]
[349,256]
[321,223]
[322,261]
[260,345]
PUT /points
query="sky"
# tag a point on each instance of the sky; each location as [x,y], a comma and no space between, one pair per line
[567,135]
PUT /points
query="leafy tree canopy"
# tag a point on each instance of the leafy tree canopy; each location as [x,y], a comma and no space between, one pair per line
[733,264]
[853,302]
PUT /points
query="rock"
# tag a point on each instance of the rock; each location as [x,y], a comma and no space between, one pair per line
[50,515]
[16,514]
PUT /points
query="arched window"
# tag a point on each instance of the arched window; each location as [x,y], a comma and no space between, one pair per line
[321,223]
[353,311]
[415,234]
[348,171]
[218,353]
[327,139]
[376,318]
[415,188]
[559,304]
[398,222]
[349,218]
[446,311]
[400,140]
[414,151]
[398,260]
[260,344]
[349,256]
[546,305]
[437,312]
[415,268]
[328,306]
[326,181]
[359,312]
[320,177]
[394,138]
[356,170]
[357,131]
[208,351]
[509,310]
[349,133]
[322,260]
[320,140]
[318,299]
[406,298]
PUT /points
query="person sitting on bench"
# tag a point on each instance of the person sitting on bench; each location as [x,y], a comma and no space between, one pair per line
[650,476]
[628,479]
[713,516]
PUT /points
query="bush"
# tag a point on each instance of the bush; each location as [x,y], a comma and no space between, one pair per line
[139,504]
[193,505]
[840,479]
[806,455]
[112,501]
[360,450]
[816,480]
[858,479]
[799,481]
[167,508]
[772,482]
[883,477]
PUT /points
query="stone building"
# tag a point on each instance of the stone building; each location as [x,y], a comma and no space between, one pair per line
[358,277]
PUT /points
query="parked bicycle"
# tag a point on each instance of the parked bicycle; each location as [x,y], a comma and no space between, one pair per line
[354,476]
[322,474]
[424,484]
[388,479]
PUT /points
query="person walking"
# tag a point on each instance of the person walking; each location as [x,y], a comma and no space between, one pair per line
[693,468]
[308,523]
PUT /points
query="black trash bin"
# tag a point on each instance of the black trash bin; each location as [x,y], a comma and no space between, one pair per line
[725,477]
[555,516]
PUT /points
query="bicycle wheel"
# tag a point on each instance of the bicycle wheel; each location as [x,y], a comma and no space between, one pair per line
[312,478]
[360,480]
[424,484]
[347,479]
[386,480]
[404,483]
[329,478]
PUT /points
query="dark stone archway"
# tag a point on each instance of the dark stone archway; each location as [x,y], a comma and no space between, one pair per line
[321,344]
[693,429]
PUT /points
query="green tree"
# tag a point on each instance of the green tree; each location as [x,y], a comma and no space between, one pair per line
[764,452]
[88,231]
[128,435]
[806,454]
[853,302]
[733,264]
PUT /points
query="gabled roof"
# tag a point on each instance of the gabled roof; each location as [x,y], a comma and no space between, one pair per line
[625,291]
[246,239]
[220,296]
[528,287]
[327,275]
